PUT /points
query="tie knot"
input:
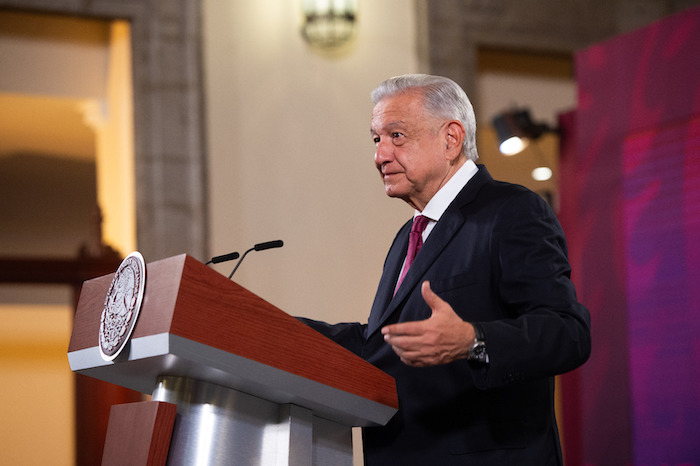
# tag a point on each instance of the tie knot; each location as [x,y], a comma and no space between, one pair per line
[419,224]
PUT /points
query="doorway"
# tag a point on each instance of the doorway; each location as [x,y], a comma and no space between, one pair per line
[65,149]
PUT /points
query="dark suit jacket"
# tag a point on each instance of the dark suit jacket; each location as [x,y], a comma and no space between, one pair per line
[498,256]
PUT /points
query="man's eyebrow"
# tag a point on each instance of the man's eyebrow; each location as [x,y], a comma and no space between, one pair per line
[389,126]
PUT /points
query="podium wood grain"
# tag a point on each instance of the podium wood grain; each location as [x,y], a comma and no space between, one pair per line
[138,434]
[184,297]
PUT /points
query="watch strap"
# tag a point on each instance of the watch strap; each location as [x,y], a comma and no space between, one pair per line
[478,332]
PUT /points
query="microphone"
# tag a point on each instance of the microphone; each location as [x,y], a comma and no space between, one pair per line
[268,245]
[226,257]
[258,247]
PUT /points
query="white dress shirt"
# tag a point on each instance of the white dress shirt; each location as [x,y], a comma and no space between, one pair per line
[439,203]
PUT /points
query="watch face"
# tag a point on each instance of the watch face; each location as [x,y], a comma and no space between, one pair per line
[478,352]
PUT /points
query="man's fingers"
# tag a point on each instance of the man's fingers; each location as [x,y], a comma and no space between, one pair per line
[416,328]
[433,300]
[402,345]
[404,328]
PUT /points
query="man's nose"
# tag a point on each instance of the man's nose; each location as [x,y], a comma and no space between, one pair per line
[384,153]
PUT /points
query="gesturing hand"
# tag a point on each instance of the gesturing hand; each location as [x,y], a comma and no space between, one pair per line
[439,339]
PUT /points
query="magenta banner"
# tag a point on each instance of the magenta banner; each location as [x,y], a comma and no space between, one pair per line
[662,234]
[631,211]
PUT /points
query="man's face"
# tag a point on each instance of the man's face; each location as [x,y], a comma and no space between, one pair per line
[410,148]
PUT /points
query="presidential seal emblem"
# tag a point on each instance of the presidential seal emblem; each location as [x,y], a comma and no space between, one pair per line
[122,305]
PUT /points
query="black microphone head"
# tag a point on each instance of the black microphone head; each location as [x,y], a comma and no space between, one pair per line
[226,257]
[269,245]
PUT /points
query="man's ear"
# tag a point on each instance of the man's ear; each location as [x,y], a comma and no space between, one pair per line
[454,137]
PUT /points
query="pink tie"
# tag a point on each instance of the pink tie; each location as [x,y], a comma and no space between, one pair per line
[415,241]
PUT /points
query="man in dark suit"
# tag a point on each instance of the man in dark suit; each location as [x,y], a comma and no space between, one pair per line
[475,328]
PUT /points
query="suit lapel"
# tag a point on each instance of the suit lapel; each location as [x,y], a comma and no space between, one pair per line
[392,268]
[385,302]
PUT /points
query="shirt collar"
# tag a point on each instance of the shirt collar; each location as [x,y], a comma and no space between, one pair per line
[439,203]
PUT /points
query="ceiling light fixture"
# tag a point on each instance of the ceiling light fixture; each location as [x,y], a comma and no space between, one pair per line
[329,24]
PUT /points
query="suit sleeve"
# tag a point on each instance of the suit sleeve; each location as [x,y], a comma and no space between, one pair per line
[350,335]
[548,332]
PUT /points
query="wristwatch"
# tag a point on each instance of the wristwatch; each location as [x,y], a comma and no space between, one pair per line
[477,351]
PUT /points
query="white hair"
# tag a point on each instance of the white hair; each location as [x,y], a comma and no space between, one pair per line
[443,98]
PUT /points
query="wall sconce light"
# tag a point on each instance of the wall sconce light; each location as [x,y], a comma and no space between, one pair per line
[329,24]
[516,129]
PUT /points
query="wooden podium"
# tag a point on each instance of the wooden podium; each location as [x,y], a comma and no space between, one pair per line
[251,384]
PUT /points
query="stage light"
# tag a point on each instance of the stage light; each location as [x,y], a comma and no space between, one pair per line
[542,174]
[516,129]
[513,145]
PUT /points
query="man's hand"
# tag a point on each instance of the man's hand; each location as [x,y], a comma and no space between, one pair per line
[442,338]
